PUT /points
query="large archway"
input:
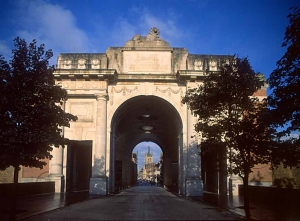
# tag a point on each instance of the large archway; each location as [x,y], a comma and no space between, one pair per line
[128,95]
[144,118]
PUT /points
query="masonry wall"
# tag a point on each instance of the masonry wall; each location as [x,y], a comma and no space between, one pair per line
[7,176]
[261,175]
[32,174]
[26,189]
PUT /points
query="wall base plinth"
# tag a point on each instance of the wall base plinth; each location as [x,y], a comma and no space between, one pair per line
[194,187]
[98,186]
[59,182]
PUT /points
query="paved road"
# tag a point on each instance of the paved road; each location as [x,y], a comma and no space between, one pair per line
[139,203]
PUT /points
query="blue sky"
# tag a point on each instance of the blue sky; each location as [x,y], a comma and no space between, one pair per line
[252,28]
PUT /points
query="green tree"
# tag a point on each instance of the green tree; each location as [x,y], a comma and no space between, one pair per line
[30,110]
[284,100]
[230,119]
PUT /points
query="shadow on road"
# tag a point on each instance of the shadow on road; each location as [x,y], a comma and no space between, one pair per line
[259,209]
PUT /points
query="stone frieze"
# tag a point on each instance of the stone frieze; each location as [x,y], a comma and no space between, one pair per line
[123,90]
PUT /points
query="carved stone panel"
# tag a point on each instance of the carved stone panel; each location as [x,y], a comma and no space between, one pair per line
[68,64]
[95,64]
[83,110]
[81,64]
[198,65]
[86,85]
[153,62]
[122,90]
[213,65]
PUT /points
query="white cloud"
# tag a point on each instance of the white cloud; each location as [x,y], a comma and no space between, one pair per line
[123,31]
[5,50]
[167,25]
[52,25]
[57,27]
[140,20]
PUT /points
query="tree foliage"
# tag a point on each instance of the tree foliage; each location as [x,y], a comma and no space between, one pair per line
[285,79]
[284,100]
[230,117]
[30,108]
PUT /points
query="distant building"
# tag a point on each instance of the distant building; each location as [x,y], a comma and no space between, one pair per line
[140,173]
[135,157]
[149,158]
[151,171]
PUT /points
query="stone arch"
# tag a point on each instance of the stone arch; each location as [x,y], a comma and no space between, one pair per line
[147,67]
[126,130]
[157,142]
[174,102]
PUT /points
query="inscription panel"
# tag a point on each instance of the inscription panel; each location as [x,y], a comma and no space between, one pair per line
[153,62]
[83,110]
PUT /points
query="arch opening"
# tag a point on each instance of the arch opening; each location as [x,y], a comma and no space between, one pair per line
[144,119]
[148,157]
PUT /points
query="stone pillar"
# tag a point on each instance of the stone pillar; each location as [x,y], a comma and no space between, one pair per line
[181,180]
[194,185]
[112,163]
[56,165]
[98,181]
[56,169]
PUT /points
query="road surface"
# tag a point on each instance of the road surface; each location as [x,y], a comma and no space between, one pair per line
[139,203]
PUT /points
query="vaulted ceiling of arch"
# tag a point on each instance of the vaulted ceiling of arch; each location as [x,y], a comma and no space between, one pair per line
[146,118]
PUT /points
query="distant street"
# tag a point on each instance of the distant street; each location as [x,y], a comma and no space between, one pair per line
[139,203]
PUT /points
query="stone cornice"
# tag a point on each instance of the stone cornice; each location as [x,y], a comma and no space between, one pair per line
[148,77]
[146,49]
[184,75]
[81,96]
[103,74]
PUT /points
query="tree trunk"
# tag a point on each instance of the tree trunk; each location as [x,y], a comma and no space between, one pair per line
[14,194]
[246,196]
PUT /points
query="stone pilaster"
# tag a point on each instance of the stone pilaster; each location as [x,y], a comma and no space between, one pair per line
[109,164]
[56,169]
[194,185]
[98,181]
[181,178]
